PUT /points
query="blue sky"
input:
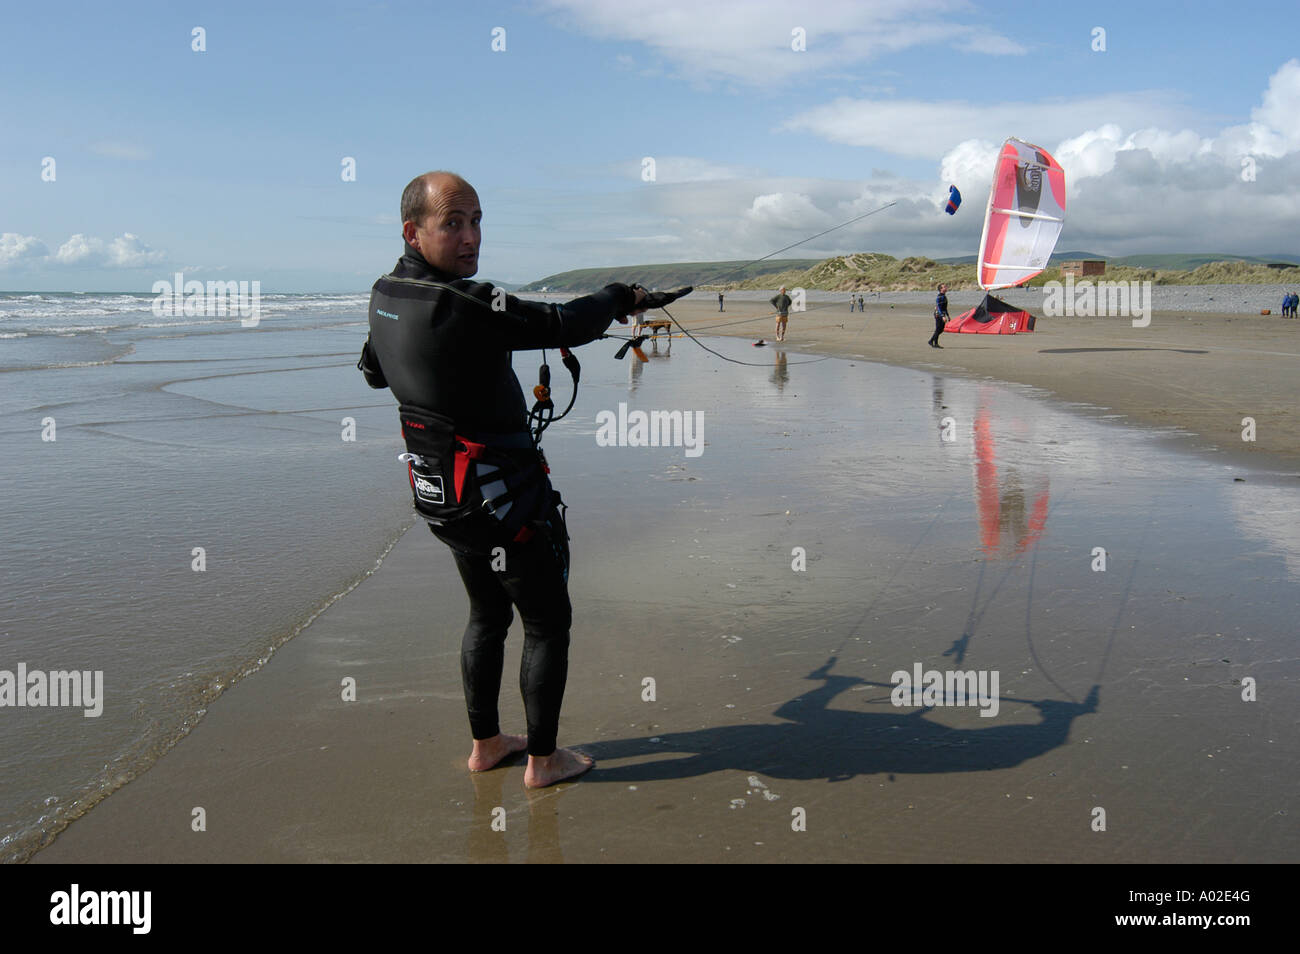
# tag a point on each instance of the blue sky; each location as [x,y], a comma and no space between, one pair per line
[226,163]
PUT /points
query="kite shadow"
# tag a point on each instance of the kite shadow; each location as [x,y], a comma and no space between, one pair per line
[839,744]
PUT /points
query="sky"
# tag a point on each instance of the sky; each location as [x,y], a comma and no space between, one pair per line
[127,155]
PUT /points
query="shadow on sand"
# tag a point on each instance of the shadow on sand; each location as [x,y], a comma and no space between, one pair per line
[838,744]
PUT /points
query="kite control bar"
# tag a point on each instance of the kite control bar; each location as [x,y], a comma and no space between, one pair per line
[636,342]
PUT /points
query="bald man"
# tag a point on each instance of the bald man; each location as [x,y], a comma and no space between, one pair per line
[443,344]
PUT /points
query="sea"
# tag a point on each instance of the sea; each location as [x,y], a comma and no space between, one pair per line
[181,496]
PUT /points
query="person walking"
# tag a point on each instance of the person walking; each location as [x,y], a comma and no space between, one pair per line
[940,315]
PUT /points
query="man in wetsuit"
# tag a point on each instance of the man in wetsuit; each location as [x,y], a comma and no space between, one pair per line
[940,315]
[443,344]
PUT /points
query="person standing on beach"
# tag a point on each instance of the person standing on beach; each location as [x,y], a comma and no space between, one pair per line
[443,345]
[940,315]
[719,301]
[781,302]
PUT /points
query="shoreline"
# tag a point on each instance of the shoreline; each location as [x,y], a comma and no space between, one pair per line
[1087,356]
[287,771]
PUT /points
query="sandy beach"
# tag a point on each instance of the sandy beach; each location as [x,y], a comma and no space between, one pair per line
[1193,374]
[1120,690]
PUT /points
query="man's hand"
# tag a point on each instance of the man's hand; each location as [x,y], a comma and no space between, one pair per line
[640,297]
[646,300]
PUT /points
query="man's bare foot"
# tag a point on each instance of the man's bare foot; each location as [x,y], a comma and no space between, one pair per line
[544,770]
[488,752]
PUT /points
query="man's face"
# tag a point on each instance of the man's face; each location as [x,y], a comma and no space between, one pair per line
[449,237]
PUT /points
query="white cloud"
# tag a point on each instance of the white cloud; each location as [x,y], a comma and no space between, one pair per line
[17,250]
[78,249]
[787,210]
[125,251]
[926,130]
[750,40]
[1138,186]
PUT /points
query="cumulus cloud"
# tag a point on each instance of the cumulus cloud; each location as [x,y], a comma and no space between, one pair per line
[125,251]
[925,130]
[17,250]
[787,210]
[1138,186]
[749,41]
[1154,189]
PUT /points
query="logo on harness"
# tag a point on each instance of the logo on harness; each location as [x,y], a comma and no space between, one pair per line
[428,488]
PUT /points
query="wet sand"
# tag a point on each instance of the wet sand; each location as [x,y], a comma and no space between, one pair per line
[1120,690]
[1196,373]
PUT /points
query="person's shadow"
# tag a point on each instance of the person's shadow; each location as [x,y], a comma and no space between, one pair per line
[838,744]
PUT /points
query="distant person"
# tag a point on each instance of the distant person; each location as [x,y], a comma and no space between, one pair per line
[940,315]
[1289,305]
[720,301]
[781,302]
[853,302]
[1286,305]
[862,305]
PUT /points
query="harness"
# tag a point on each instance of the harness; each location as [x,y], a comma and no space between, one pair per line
[456,478]
[507,470]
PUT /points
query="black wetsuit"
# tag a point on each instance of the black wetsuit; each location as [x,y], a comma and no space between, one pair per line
[444,348]
[940,317]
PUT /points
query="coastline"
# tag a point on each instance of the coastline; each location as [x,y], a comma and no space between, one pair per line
[1192,376]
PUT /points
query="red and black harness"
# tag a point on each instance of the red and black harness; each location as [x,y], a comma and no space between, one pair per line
[450,472]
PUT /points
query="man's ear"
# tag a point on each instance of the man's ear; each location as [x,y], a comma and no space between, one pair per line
[409,233]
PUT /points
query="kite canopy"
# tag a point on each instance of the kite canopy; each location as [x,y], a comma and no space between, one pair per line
[1024,218]
[992,316]
[954,200]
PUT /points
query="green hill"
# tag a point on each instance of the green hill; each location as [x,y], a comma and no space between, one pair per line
[1183,261]
[875,271]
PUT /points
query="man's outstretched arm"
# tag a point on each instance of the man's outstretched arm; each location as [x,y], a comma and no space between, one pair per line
[525,324]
